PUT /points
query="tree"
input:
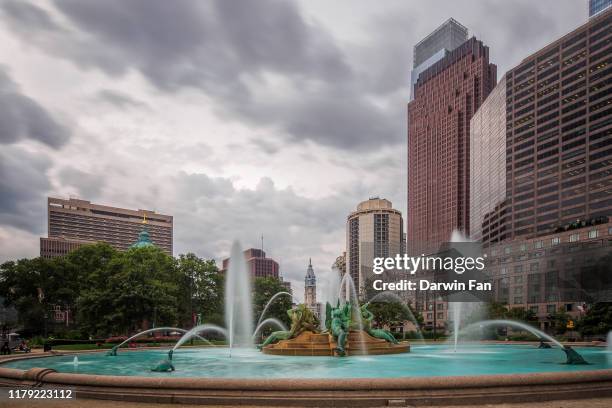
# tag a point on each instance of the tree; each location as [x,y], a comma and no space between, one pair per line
[597,320]
[391,313]
[201,289]
[264,289]
[558,321]
[32,286]
[139,289]
[112,292]
[521,314]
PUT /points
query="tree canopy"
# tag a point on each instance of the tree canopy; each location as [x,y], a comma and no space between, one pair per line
[110,292]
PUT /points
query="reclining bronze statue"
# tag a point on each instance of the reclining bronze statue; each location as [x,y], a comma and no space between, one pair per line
[302,319]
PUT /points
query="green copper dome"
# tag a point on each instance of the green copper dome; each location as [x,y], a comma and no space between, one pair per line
[144,240]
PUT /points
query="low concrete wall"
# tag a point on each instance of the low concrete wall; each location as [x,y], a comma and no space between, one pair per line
[468,390]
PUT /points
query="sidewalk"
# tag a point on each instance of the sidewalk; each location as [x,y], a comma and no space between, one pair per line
[84,403]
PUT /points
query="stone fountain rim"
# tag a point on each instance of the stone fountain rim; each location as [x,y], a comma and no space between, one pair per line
[351,392]
[51,376]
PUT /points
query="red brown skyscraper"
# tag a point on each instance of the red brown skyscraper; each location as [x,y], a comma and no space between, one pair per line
[257,264]
[446,95]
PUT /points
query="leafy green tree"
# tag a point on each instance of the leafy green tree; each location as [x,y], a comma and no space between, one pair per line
[390,313]
[521,314]
[597,320]
[496,310]
[32,286]
[264,289]
[139,289]
[201,289]
[558,321]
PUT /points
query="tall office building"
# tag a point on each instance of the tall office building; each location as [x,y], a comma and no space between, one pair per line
[546,235]
[75,222]
[310,291]
[286,285]
[488,164]
[436,46]
[257,264]
[375,229]
[597,6]
[559,114]
[446,96]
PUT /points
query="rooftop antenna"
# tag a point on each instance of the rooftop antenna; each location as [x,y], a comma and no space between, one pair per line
[262,245]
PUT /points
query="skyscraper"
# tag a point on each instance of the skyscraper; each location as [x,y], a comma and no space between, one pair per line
[375,229]
[436,46]
[545,235]
[75,222]
[258,265]
[446,96]
[559,114]
[597,6]
[488,164]
[310,291]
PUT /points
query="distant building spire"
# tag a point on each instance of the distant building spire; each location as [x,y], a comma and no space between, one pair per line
[310,290]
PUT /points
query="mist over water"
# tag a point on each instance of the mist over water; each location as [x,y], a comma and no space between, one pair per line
[238,300]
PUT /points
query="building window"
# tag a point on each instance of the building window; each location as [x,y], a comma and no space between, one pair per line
[534,309]
[568,307]
[507,250]
[551,308]
[534,267]
[523,247]
[539,244]
[518,300]
[518,268]
[555,241]
[593,234]
[518,279]
[609,230]
[574,238]
[518,290]
[429,316]
[441,306]
[440,315]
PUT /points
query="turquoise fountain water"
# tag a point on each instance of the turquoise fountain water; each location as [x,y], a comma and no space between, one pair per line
[573,357]
[113,351]
[422,361]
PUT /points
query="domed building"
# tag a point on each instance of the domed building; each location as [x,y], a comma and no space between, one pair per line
[144,239]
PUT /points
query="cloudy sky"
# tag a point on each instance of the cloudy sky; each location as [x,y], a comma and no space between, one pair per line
[236,117]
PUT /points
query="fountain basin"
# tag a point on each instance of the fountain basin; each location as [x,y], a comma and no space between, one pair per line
[323,344]
[415,378]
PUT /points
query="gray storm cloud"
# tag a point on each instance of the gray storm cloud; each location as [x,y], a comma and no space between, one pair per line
[21,117]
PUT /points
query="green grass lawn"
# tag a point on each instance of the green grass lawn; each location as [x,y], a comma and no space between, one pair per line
[72,347]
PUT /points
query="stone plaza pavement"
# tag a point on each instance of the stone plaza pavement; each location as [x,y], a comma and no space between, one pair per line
[85,403]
